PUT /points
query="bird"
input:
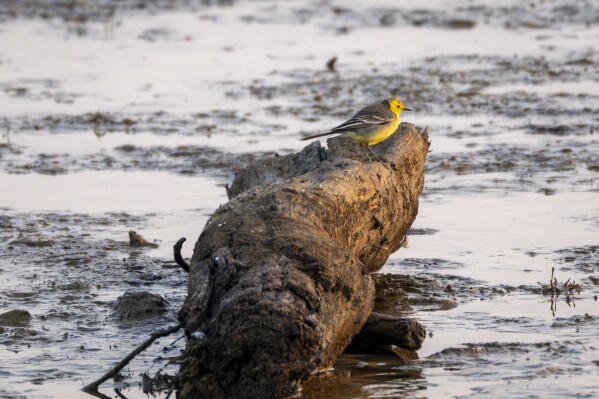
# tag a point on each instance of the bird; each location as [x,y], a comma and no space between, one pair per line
[371,124]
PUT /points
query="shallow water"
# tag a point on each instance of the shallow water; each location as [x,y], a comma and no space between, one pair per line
[135,119]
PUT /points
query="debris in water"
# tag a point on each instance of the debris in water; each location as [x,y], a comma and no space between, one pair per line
[569,288]
[137,240]
[15,318]
[553,291]
[331,64]
[139,305]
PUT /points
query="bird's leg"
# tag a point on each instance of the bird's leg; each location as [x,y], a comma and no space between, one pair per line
[365,152]
[376,156]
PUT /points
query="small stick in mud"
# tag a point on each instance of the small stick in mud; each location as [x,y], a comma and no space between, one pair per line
[178,258]
[113,371]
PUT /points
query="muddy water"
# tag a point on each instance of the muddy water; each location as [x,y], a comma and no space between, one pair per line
[116,117]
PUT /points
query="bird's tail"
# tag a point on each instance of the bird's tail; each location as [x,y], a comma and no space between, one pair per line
[319,135]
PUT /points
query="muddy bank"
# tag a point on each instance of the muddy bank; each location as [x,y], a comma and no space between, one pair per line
[357,375]
[584,260]
[434,288]
[65,286]
[74,11]
[512,15]
[206,122]
[370,374]
[462,84]
[185,160]
[64,262]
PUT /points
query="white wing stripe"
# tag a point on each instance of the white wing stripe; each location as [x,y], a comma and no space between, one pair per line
[373,119]
[351,123]
[363,121]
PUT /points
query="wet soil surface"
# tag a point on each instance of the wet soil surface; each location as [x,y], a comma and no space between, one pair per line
[119,116]
[187,160]
[64,271]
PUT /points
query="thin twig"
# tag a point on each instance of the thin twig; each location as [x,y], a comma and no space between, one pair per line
[98,395]
[177,340]
[162,333]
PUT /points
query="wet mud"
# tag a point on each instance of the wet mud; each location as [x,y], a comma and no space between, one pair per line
[584,260]
[533,15]
[136,92]
[70,288]
[185,160]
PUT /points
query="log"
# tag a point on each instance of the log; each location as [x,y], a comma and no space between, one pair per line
[279,280]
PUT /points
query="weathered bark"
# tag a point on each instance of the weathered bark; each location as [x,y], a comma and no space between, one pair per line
[279,281]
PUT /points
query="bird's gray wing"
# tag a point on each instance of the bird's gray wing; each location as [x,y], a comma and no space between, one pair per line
[363,120]
[373,115]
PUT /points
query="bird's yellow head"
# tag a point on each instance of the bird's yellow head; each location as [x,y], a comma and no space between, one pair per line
[395,105]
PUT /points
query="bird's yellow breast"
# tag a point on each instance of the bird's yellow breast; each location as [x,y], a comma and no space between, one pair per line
[375,135]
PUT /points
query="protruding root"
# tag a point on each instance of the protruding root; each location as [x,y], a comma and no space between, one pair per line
[178,258]
[383,329]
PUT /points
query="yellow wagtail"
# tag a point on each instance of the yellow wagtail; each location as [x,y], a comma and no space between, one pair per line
[371,124]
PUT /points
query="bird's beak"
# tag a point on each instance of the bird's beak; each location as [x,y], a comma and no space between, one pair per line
[408,109]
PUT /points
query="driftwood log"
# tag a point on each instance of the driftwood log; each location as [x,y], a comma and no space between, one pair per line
[279,281]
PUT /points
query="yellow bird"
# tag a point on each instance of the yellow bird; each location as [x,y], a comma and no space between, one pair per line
[371,124]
